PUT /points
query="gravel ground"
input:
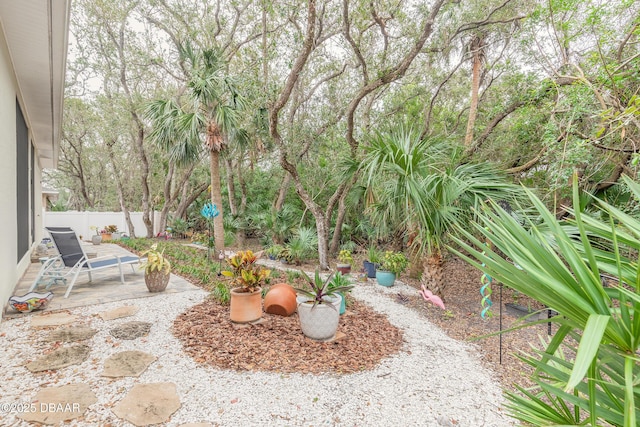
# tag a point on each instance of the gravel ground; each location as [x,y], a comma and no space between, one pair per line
[434,381]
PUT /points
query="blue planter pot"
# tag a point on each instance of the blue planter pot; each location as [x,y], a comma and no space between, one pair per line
[343,303]
[385,278]
[370,269]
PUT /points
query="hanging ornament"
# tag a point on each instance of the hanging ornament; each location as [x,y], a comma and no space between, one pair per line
[209,211]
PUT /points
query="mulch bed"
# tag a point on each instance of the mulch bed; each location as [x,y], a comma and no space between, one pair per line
[278,345]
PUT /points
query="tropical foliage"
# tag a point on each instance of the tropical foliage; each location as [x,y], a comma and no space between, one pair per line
[156,260]
[418,187]
[589,371]
[245,272]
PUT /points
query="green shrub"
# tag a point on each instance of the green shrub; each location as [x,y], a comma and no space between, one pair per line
[395,262]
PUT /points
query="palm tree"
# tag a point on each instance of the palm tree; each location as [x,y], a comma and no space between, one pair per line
[417,190]
[199,120]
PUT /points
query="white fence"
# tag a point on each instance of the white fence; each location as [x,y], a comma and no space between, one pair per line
[82,222]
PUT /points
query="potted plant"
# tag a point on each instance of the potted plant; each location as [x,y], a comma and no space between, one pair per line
[393,263]
[248,277]
[108,231]
[344,261]
[273,251]
[372,261]
[157,269]
[340,282]
[319,307]
[97,238]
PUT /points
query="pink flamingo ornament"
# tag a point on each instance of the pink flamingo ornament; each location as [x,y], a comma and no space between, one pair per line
[429,296]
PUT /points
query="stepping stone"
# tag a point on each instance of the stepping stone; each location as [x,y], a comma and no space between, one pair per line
[55,319]
[131,330]
[148,404]
[117,313]
[60,358]
[54,405]
[127,364]
[71,334]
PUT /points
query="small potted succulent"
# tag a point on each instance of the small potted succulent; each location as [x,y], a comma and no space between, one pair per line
[344,261]
[319,307]
[392,264]
[248,277]
[157,269]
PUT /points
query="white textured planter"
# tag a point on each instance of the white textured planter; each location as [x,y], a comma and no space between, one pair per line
[319,322]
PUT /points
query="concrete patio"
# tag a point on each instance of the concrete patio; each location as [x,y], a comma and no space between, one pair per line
[105,287]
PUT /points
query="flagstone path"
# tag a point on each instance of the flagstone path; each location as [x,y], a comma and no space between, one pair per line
[144,404]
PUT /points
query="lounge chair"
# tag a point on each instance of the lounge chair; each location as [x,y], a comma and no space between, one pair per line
[72,260]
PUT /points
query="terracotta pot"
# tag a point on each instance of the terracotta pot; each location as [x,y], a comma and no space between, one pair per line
[280,300]
[106,237]
[245,306]
[156,280]
[344,268]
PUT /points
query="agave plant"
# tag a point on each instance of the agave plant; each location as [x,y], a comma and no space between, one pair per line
[561,265]
[320,289]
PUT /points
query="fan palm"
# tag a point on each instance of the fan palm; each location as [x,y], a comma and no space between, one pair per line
[199,121]
[417,189]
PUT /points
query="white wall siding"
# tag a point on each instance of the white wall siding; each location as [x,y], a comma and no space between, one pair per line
[8,216]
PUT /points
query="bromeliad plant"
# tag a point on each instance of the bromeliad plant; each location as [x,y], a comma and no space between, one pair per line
[319,290]
[156,261]
[560,265]
[245,273]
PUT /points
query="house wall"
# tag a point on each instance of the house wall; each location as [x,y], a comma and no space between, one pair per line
[8,215]
[12,269]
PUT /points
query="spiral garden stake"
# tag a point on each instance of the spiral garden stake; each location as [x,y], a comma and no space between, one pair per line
[485,291]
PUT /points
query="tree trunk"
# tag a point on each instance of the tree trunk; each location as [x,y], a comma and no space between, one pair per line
[168,200]
[120,189]
[216,200]
[282,192]
[323,240]
[187,200]
[231,188]
[433,275]
[243,190]
[337,231]
[477,46]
